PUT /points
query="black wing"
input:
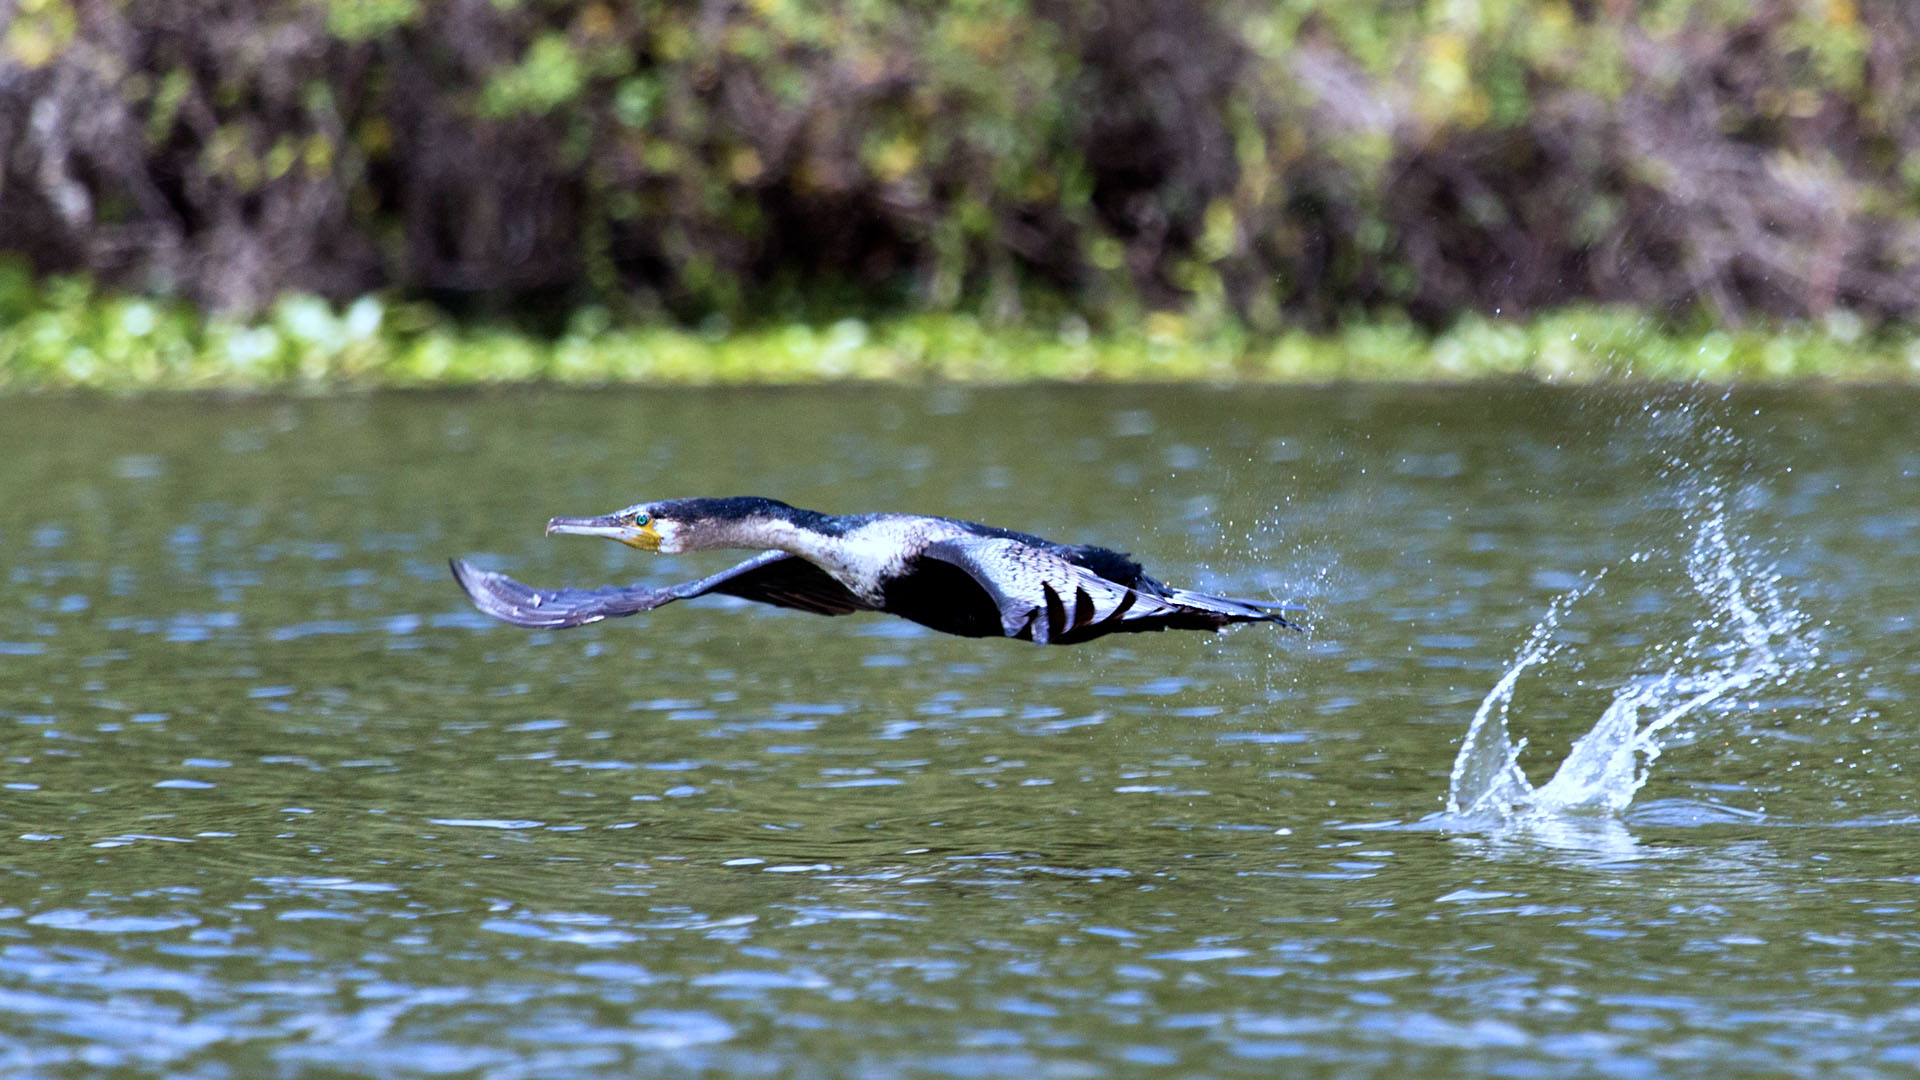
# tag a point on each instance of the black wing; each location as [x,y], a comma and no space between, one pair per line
[772,577]
[1044,597]
[787,581]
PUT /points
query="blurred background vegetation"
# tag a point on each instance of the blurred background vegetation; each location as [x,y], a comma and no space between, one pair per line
[1138,171]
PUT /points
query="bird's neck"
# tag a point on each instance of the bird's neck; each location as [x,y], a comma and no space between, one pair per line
[795,536]
[754,534]
[860,555]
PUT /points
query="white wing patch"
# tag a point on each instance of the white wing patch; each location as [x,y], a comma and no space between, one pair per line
[1041,595]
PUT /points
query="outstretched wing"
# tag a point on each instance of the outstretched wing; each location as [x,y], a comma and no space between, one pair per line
[782,580]
[1048,599]
[772,577]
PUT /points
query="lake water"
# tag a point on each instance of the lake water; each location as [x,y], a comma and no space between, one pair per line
[278,802]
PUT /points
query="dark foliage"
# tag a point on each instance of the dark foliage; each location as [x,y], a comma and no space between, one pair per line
[1273,163]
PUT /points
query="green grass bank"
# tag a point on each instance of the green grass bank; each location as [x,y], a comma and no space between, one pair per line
[61,334]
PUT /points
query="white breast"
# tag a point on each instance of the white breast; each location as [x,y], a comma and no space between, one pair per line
[867,556]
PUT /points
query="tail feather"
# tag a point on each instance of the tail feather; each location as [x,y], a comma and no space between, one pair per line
[1233,609]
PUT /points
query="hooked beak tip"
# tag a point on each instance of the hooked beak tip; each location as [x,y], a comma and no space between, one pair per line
[579,526]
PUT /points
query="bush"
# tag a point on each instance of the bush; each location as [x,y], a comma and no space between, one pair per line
[1248,164]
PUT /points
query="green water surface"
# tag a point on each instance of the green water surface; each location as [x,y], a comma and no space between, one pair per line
[277,802]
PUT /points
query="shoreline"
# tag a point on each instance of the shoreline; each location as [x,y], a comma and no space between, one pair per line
[130,345]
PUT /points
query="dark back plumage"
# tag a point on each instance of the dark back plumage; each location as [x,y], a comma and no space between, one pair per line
[730,508]
[734,508]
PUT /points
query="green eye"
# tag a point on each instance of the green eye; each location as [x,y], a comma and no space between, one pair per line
[640,520]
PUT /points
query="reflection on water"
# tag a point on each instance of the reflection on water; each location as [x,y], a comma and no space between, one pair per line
[276,801]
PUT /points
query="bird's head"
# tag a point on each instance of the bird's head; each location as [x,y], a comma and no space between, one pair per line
[636,526]
[676,525]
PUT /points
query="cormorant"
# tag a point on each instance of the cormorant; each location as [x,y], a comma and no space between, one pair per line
[957,577]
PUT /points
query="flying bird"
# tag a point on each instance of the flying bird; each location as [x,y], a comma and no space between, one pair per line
[957,577]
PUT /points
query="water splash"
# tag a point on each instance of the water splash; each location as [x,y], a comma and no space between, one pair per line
[1486,773]
[1749,637]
